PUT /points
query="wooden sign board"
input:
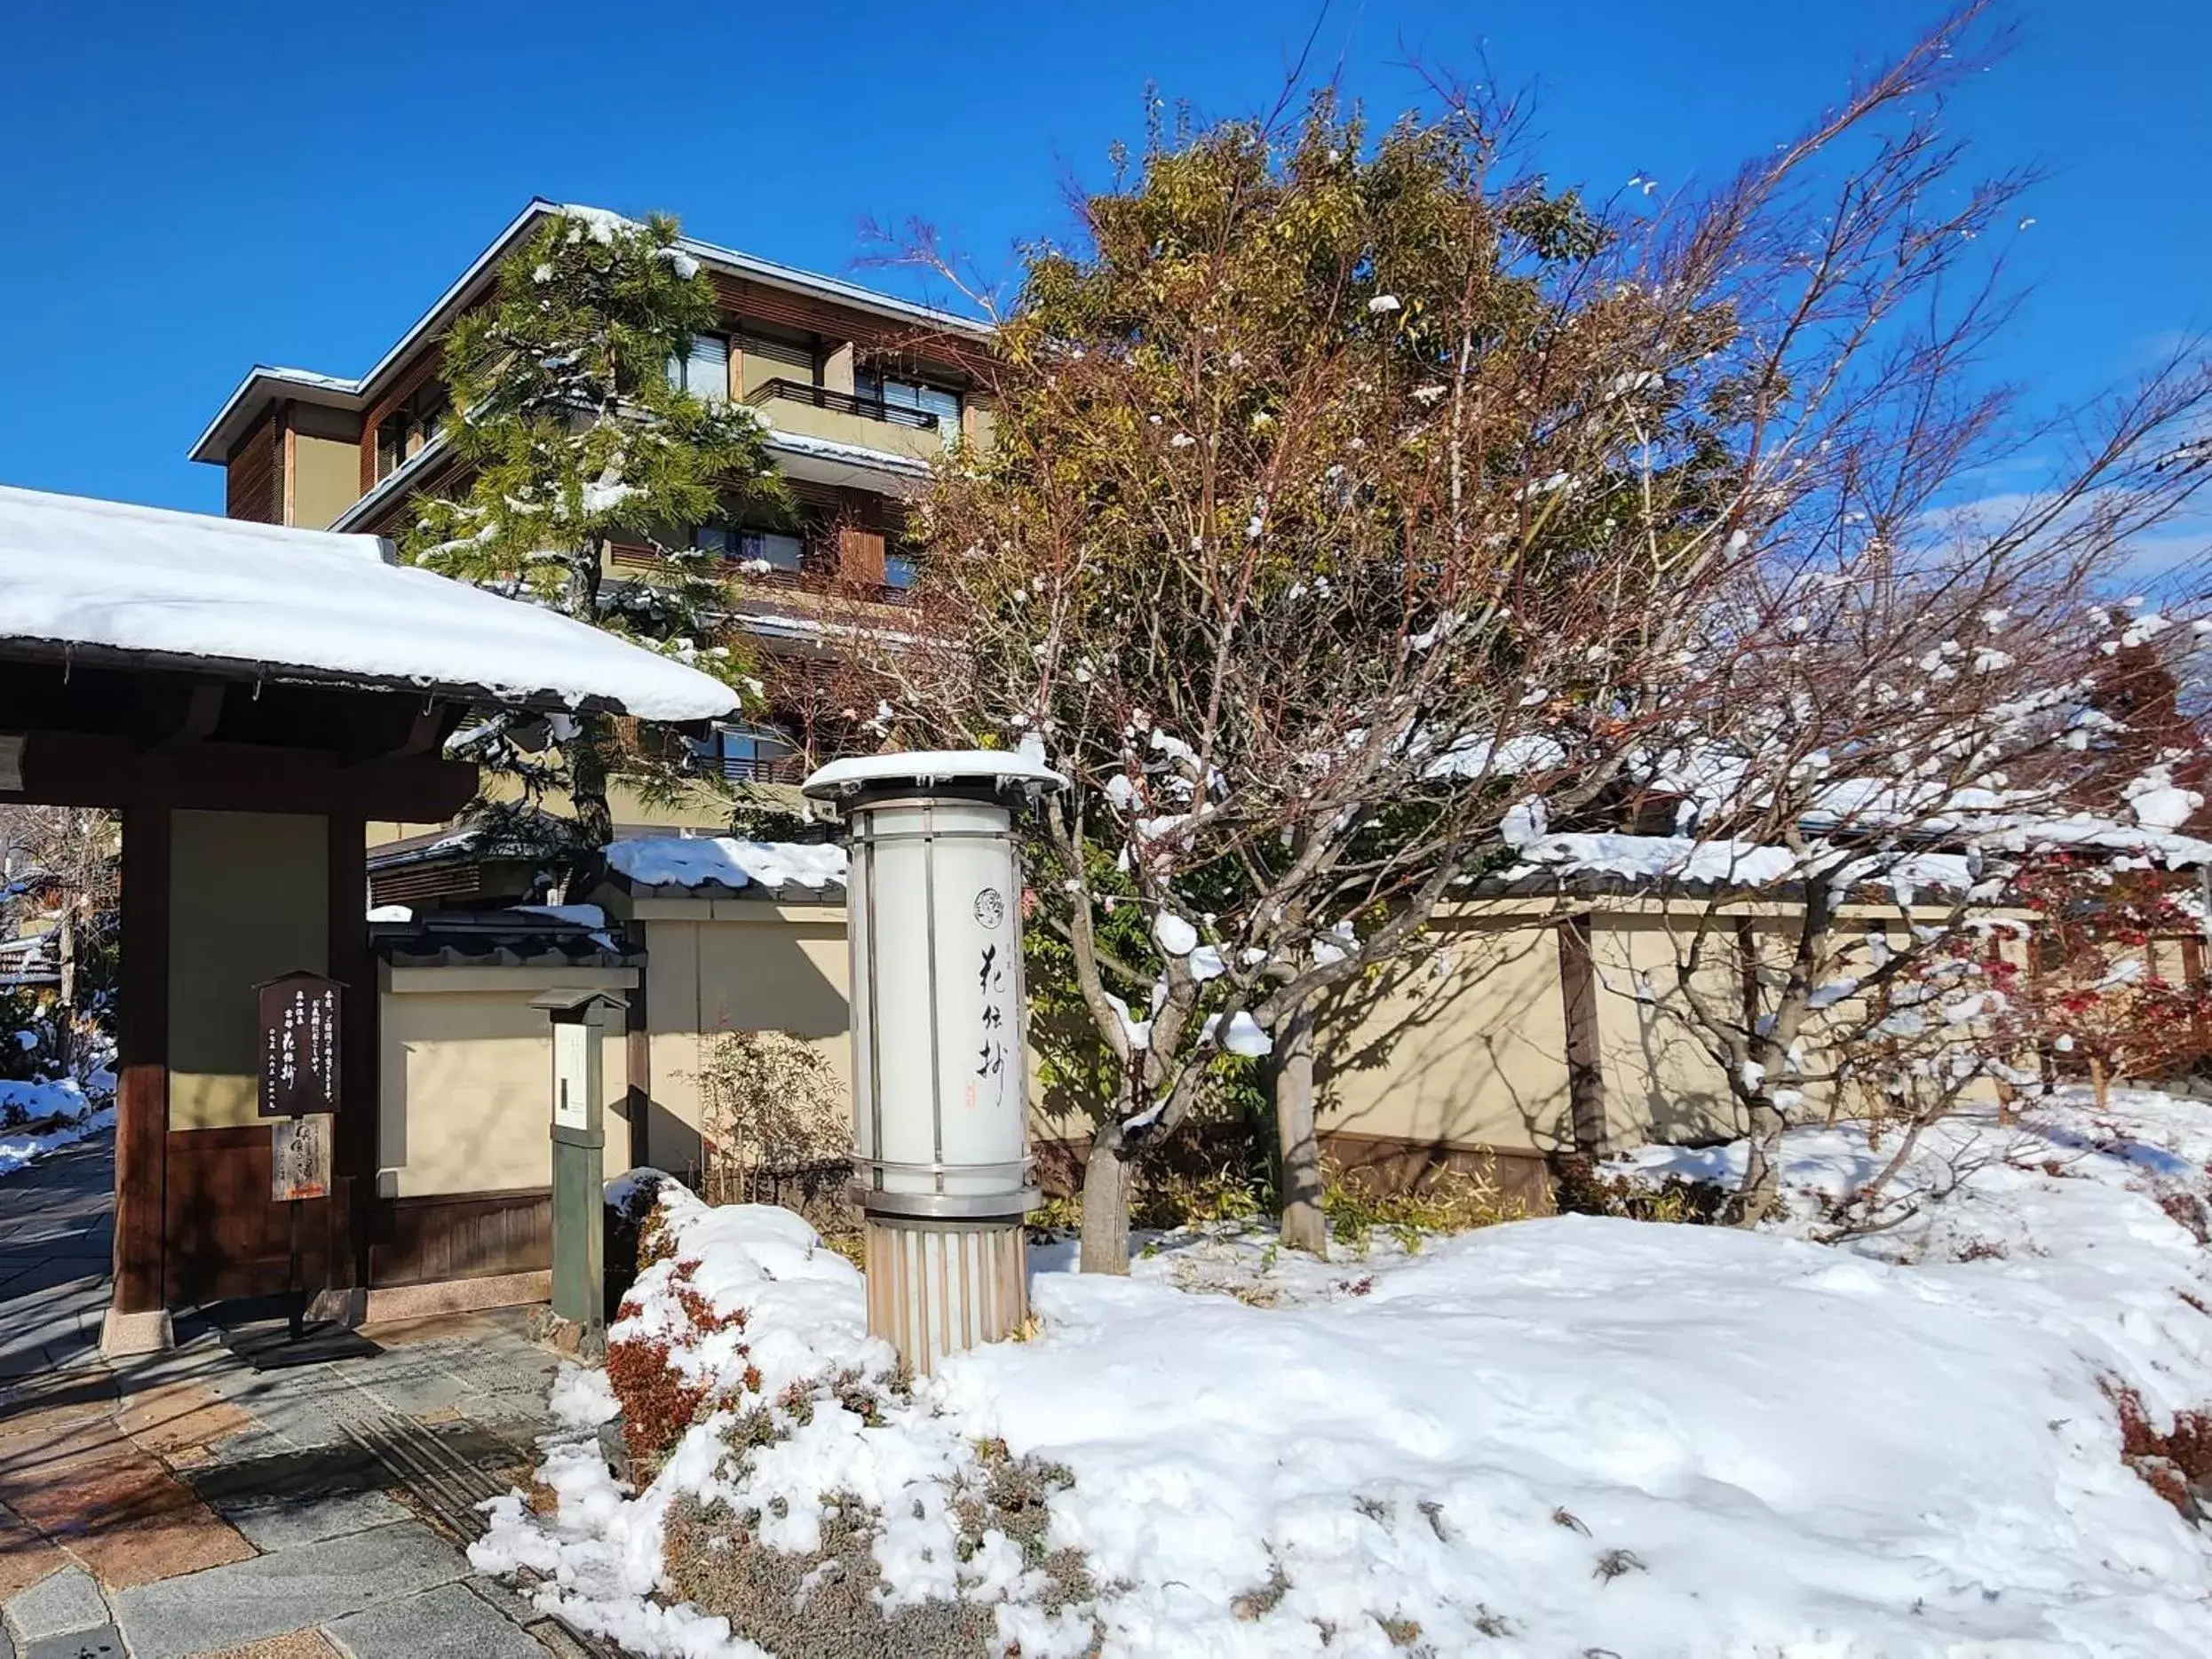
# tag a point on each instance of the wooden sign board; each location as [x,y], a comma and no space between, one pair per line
[301,1043]
[299,1158]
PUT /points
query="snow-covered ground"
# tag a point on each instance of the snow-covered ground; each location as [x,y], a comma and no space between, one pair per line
[53,1115]
[1555,1437]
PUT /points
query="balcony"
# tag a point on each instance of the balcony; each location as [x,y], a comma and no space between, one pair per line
[747,576]
[749,768]
[812,411]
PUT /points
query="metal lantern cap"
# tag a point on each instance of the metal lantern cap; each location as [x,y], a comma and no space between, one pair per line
[574,1002]
[930,768]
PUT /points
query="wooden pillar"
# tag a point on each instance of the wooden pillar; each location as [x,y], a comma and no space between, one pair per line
[353,1150]
[1585,1057]
[638,1099]
[137,1320]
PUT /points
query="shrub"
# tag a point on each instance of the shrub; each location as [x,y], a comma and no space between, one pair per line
[777,1126]
[1581,1190]
[1447,1200]
[659,1399]
[2175,1464]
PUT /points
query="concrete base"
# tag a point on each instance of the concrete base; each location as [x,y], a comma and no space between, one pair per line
[121,1334]
[936,1288]
[345,1309]
[389,1303]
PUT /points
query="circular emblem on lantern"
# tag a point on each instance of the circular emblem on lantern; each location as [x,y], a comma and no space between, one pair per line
[990,907]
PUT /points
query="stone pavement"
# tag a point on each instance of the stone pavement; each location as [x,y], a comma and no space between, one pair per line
[183,1503]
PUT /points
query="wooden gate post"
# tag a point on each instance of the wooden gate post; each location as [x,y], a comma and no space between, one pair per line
[136,1321]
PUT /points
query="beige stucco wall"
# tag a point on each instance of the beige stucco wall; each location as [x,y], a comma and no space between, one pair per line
[733,966]
[466,1078]
[792,414]
[248,900]
[326,478]
[1467,1046]
[1660,1081]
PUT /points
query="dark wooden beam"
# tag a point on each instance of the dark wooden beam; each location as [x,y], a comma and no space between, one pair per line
[1585,1055]
[638,1099]
[354,1151]
[424,733]
[162,722]
[84,769]
[142,1062]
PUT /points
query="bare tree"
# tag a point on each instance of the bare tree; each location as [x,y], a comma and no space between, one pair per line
[1349,493]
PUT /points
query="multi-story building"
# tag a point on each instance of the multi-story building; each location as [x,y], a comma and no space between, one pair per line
[861,390]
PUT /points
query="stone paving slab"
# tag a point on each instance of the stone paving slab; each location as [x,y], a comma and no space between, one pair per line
[281,1524]
[25,1556]
[298,1645]
[271,1595]
[57,1604]
[445,1624]
[104,1643]
[123,1514]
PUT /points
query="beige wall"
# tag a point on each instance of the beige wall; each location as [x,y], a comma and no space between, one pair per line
[839,427]
[326,478]
[466,1074]
[1659,1080]
[248,901]
[1467,1046]
[732,966]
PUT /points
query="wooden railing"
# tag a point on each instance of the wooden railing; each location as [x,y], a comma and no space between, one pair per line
[843,403]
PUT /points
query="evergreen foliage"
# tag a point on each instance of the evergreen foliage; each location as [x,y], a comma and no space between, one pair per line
[573,438]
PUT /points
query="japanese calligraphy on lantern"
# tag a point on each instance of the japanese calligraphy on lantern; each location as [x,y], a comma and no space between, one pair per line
[996,993]
[300,1046]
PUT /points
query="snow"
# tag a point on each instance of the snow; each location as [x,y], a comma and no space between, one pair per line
[1175,936]
[1644,857]
[1245,1037]
[64,1116]
[391,913]
[830,450]
[928,767]
[725,862]
[76,571]
[1547,1437]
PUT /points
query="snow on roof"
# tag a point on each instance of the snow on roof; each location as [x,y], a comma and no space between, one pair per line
[670,861]
[931,766]
[77,573]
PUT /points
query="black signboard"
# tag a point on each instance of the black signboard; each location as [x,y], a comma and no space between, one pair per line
[300,1046]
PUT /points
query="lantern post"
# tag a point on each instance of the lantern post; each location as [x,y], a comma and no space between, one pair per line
[941,1108]
[579,1019]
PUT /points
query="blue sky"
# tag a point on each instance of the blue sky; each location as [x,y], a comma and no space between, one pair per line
[194,188]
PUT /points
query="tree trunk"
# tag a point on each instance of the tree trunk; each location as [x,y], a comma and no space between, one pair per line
[1106,1184]
[588,766]
[1304,1226]
[2100,1081]
[65,1024]
[1762,1179]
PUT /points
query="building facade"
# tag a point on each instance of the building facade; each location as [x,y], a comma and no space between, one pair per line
[860,391]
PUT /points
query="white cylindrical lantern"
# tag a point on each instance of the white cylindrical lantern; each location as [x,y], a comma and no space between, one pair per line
[939,1081]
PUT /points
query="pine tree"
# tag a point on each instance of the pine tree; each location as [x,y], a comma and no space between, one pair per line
[573,437]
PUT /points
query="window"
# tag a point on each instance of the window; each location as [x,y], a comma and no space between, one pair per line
[402,434]
[749,753]
[778,357]
[916,395]
[899,569]
[704,371]
[767,547]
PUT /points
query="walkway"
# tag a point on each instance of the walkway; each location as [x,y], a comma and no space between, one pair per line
[183,1503]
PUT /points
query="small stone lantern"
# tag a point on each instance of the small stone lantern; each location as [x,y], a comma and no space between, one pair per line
[939,1078]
